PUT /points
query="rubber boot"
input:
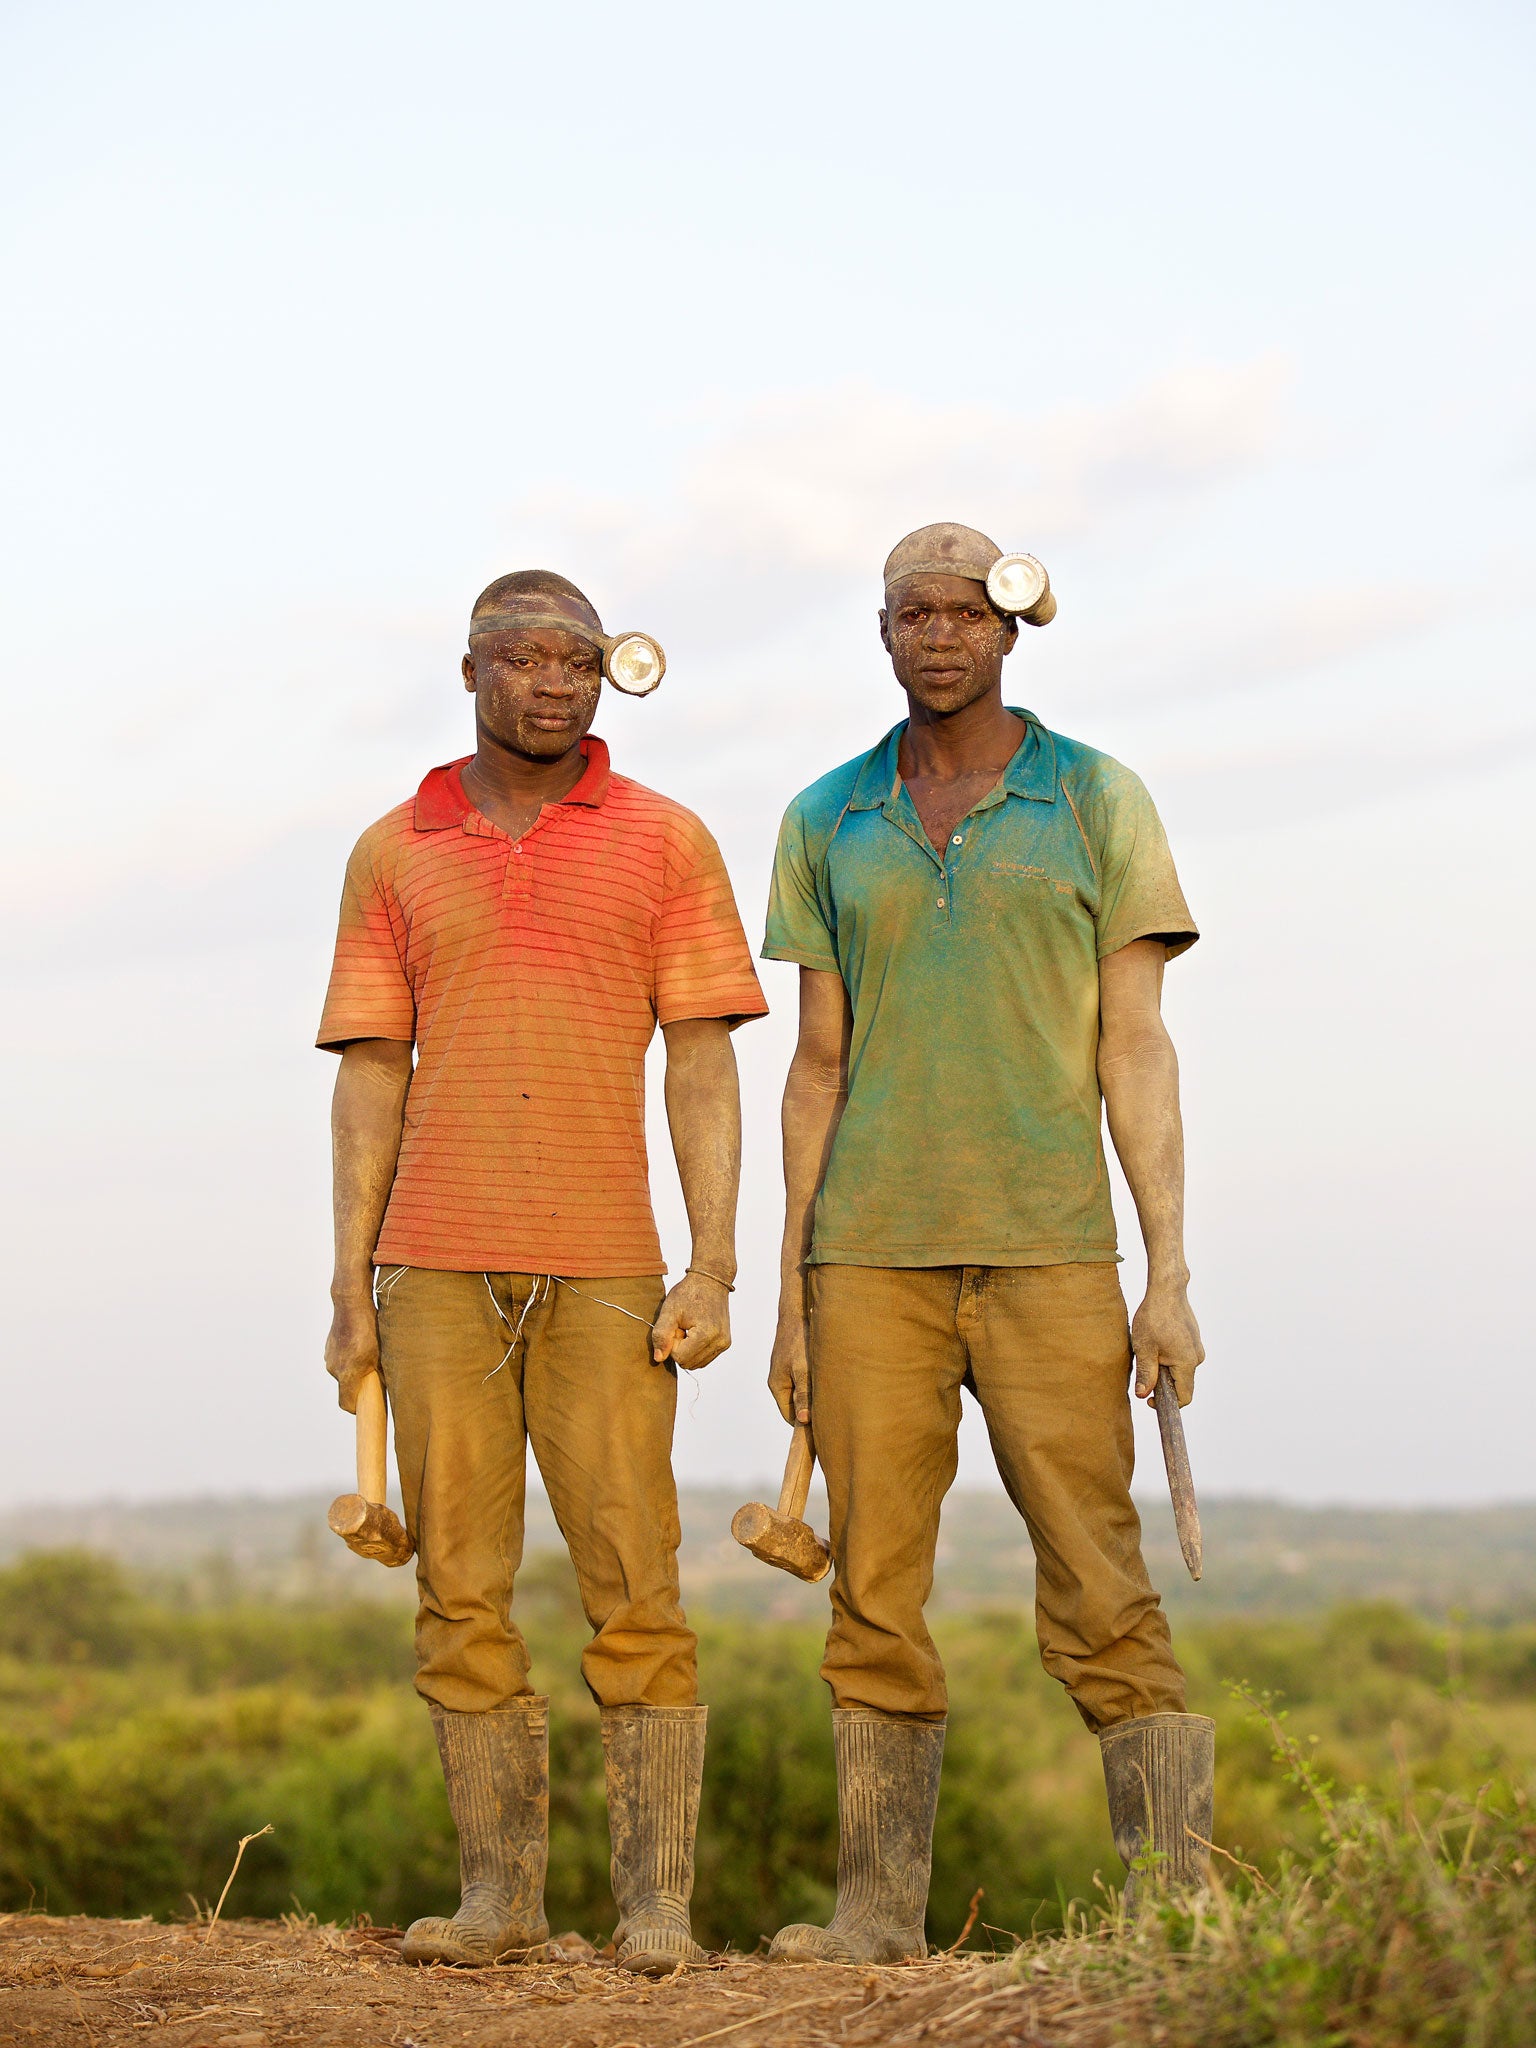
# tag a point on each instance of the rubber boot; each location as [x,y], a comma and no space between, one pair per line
[887,1794]
[496,1768]
[653,1758]
[1160,1774]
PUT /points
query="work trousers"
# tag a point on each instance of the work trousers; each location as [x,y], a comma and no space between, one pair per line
[1046,1351]
[477,1366]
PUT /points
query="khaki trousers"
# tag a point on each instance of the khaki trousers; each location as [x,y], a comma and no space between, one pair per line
[477,1366]
[1046,1351]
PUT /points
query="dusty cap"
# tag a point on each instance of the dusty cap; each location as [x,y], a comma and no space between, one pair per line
[1016,585]
[944,549]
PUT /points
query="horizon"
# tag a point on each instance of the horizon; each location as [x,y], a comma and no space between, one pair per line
[738,1489]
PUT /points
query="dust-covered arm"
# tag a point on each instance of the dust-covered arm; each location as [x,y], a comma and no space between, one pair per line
[367,1118]
[815,1095]
[693,1325]
[1139,1078]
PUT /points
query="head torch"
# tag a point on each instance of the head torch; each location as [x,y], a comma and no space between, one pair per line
[1017,585]
[632,662]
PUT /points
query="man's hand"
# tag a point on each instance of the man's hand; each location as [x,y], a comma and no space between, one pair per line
[352,1348]
[693,1325]
[789,1371]
[1165,1336]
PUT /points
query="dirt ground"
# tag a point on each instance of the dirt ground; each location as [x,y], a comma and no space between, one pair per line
[262,1983]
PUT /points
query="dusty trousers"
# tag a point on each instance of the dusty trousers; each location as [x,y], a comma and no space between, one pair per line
[477,1367]
[1046,1351]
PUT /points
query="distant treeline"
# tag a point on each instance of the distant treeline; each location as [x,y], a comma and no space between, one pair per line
[1262,1557]
[141,1736]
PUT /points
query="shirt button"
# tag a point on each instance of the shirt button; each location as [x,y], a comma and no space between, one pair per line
[958,840]
[941,903]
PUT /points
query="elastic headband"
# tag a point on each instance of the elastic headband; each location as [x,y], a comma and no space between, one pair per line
[632,662]
[977,571]
[508,622]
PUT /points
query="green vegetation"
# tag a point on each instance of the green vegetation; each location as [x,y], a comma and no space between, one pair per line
[1413,1921]
[140,1737]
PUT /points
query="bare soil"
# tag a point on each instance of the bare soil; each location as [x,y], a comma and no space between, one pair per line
[261,1983]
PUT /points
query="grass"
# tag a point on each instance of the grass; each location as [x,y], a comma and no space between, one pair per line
[1414,1921]
[141,1737]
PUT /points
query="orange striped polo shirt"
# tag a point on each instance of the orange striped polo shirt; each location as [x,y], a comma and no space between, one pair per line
[530,975]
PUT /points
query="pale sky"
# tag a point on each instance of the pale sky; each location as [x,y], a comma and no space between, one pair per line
[318,317]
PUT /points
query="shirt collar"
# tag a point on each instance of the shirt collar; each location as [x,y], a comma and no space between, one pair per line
[1031,773]
[441,801]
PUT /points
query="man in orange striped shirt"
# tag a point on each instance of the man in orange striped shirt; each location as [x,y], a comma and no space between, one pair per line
[521,926]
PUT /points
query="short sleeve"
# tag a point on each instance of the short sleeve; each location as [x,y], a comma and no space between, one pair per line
[370,994]
[703,965]
[797,929]
[1139,892]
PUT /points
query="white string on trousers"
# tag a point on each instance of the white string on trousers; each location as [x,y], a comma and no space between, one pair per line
[382,1287]
[543,1285]
[539,1291]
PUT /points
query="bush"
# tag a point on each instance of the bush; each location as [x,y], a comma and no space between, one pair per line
[66,1607]
[129,1767]
[1412,1923]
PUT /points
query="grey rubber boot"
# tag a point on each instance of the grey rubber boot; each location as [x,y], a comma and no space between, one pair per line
[1160,1774]
[887,1794]
[496,1768]
[653,1758]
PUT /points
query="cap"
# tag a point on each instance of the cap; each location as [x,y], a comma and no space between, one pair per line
[944,549]
[1017,585]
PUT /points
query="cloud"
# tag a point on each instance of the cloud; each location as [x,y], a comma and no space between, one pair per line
[818,486]
[1285,782]
[1244,641]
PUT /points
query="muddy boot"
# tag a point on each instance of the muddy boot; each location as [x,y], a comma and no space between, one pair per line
[887,1792]
[1160,1774]
[496,1768]
[654,1761]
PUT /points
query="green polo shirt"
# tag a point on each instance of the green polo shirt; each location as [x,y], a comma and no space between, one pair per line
[972,1130]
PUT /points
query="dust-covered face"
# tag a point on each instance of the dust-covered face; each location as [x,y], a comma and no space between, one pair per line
[535,688]
[946,643]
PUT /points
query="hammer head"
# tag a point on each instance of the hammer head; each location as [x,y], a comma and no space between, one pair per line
[779,1539]
[370,1529]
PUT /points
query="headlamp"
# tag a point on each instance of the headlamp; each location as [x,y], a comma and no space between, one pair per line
[1019,587]
[632,662]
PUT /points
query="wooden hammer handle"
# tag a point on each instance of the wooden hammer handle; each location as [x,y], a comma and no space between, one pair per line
[1181,1485]
[797,1474]
[372,1440]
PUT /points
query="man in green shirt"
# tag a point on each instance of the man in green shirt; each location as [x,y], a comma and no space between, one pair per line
[981,911]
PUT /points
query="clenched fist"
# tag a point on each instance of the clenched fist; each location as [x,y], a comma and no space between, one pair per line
[693,1324]
[352,1348]
[1166,1337]
[789,1370]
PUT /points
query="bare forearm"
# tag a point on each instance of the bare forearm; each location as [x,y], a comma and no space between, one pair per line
[1139,1079]
[703,1098]
[1140,1083]
[367,1119]
[814,1102]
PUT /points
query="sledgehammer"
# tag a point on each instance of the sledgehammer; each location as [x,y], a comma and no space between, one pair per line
[361,1519]
[782,1536]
